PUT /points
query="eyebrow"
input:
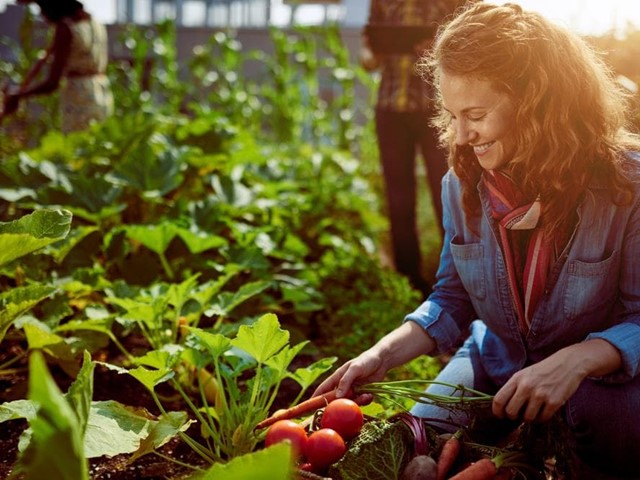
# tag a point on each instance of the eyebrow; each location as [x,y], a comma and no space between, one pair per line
[465,110]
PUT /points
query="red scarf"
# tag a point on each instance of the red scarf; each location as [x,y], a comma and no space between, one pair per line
[526,252]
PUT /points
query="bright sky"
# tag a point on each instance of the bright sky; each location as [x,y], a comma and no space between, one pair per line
[583,16]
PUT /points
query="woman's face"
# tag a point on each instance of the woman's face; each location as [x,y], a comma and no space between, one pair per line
[482,118]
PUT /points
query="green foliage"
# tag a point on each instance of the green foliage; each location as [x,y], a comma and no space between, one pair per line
[198,207]
[273,463]
[245,371]
[380,452]
[32,232]
[55,449]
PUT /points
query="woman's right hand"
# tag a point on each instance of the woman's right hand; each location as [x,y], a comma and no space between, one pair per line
[365,368]
[399,346]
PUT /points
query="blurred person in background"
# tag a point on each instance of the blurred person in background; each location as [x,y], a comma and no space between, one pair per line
[77,60]
[397,32]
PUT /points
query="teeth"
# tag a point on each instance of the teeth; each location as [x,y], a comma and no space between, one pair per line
[482,148]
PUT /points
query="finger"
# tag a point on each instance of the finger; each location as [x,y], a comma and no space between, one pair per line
[532,410]
[364,399]
[331,383]
[548,411]
[501,400]
[345,383]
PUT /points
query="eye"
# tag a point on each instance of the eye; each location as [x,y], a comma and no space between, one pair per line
[476,117]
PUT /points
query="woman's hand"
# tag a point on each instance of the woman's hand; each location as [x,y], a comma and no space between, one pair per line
[396,348]
[365,368]
[538,391]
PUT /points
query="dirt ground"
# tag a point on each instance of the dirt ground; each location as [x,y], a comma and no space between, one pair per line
[107,386]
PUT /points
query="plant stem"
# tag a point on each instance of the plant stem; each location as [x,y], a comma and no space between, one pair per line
[13,360]
[177,462]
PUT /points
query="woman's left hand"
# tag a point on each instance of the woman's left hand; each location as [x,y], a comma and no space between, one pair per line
[538,391]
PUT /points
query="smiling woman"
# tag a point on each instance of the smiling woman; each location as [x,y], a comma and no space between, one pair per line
[541,211]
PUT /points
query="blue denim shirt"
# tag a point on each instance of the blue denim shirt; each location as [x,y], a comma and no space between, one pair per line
[593,290]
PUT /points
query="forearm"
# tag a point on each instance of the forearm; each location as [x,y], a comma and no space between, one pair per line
[403,344]
[596,357]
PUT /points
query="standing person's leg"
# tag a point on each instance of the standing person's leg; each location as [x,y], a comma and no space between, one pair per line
[397,148]
[435,160]
[605,420]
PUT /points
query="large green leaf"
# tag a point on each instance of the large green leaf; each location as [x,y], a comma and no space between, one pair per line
[263,339]
[147,377]
[56,449]
[225,302]
[167,427]
[81,392]
[114,428]
[156,238]
[273,463]
[155,173]
[18,301]
[111,429]
[198,242]
[32,232]
[40,337]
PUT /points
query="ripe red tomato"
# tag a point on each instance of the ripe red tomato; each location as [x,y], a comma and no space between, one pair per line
[288,431]
[344,416]
[324,447]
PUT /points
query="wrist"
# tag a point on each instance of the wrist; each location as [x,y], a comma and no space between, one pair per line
[405,343]
[596,358]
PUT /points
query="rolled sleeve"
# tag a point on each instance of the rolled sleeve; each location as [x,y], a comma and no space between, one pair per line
[438,324]
[626,338]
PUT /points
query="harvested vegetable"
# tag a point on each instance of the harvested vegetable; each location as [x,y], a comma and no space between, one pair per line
[483,469]
[449,454]
[421,467]
[303,408]
[462,397]
[344,416]
[379,452]
[325,447]
[288,431]
[418,429]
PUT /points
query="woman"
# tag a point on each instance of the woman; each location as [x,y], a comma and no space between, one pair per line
[77,59]
[540,268]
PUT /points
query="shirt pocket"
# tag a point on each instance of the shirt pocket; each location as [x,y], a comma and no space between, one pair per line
[590,285]
[469,260]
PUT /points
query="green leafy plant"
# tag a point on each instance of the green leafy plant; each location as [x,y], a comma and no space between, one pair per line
[246,372]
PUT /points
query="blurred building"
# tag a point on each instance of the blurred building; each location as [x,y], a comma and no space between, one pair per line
[197,20]
[242,13]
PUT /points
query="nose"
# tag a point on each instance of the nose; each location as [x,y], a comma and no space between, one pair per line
[464,133]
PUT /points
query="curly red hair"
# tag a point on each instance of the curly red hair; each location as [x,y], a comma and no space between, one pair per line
[570,112]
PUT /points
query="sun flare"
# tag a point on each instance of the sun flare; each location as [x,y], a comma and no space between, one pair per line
[592,17]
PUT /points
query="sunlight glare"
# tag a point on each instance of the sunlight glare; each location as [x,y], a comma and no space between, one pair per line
[590,17]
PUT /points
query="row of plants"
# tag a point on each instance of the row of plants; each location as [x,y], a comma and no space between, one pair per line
[216,242]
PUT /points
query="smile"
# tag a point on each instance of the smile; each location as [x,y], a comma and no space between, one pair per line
[480,149]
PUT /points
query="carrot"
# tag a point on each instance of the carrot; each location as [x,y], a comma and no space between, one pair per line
[483,469]
[310,405]
[448,455]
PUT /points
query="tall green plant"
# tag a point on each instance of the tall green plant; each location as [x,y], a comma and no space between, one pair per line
[241,380]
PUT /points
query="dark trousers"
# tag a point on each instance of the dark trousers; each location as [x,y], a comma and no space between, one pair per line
[401,136]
